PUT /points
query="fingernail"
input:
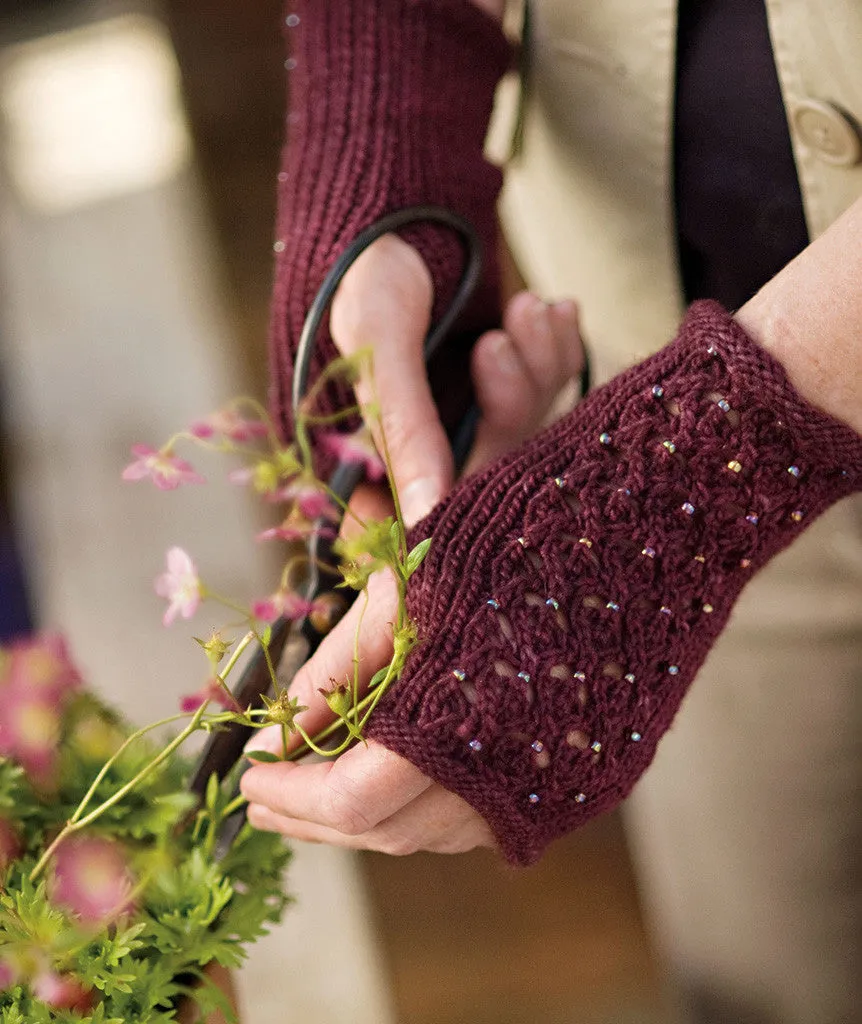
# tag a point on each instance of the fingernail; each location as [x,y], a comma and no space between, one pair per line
[505,358]
[418,498]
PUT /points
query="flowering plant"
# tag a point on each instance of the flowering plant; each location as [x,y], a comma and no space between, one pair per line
[113,896]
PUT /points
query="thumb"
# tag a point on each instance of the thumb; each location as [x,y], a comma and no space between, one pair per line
[384,304]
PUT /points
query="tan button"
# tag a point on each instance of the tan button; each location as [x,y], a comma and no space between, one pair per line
[828,132]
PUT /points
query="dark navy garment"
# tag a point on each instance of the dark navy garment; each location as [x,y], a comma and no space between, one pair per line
[738,203]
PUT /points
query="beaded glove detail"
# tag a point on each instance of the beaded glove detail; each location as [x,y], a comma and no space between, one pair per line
[574,588]
[389,103]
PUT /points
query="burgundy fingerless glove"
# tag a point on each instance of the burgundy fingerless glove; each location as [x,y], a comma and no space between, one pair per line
[574,588]
[389,103]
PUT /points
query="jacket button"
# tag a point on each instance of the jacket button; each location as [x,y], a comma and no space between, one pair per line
[828,132]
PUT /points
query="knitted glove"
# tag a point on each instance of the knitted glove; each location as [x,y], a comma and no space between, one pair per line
[574,588]
[389,103]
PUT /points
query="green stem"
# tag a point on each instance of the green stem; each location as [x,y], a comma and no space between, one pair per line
[75,826]
[106,767]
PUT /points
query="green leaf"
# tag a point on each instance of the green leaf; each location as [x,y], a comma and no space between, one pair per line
[417,557]
[266,756]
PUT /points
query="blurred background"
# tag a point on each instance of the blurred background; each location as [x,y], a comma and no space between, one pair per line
[137,191]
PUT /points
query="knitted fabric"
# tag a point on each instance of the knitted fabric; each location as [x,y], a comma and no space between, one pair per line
[389,103]
[574,588]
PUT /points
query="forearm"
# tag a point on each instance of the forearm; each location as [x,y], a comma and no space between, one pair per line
[809,317]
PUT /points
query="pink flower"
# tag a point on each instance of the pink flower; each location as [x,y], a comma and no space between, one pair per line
[230,424]
[180,585]
[30,733]
[162,467]
[283,603]
[41,666]
[92,879]
[296,530]
[10,845]
[62,992]
[212,690]
[310,500]
[8,975]
[355,448]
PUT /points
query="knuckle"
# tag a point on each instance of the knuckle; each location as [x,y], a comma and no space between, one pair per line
[344,811]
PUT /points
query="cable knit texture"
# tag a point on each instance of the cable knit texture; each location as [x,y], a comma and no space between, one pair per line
[574,588]
[389,103]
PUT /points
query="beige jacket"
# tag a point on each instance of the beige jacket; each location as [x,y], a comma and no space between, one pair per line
[588,200]
[588,210]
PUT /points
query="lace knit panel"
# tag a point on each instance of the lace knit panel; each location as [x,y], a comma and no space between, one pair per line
[573,589]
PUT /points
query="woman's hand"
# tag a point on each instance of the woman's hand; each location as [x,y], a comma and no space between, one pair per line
[371,798]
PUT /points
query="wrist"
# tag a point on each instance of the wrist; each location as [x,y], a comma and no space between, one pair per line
[809,316]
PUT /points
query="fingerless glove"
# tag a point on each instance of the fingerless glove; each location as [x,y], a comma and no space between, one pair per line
[573,589]
[389,103]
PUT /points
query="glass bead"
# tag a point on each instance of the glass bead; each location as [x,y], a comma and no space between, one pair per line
[671,447]
[636,737]
[538,746]
[475,745]
[522,541]
[701,559]
[581,798]
[665,610]
[673,670]
[525,676]
[534,798]
[735,466]
[283,175]
[292,20]
[612,606]
[629,677]
[585,541]
[708,609]
[551,603]
[459,674]
[605,438]
[580,676]
[797,516]
[648,552]
[712,351]
[752,518]
[794,471]
[290,64]
[596,747]
[278,246]
[657,391]
[723,404]
[493,604]
[559,481]
[745,563]
[688,508]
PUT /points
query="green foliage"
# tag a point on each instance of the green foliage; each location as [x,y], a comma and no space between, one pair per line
[191,909]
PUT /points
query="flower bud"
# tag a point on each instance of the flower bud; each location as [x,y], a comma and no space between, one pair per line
[283,710]
[339,699]
[326,612]
[216,647]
